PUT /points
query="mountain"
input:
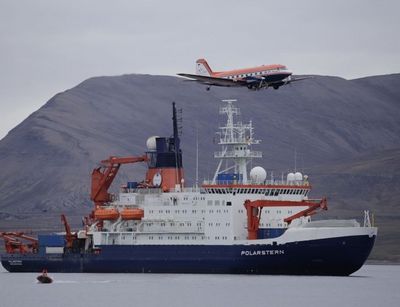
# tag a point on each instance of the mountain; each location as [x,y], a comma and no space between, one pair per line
[346,135]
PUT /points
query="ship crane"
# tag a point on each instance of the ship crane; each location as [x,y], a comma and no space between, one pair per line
[103,177]
[254,209]
[14,243]
[69,236]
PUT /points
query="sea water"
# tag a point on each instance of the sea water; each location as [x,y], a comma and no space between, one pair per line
[372,285]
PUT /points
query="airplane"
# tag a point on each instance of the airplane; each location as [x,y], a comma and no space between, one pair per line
[255,78]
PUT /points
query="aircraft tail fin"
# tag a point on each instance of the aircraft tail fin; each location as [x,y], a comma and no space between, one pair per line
[202,68]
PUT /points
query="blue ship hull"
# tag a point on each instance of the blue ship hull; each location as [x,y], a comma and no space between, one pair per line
[333,256]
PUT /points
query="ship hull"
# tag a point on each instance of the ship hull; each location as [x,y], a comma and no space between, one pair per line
[333,256]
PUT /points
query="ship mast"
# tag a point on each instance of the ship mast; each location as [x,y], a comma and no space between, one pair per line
[236,140]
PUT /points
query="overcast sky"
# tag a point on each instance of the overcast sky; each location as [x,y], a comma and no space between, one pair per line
[49,46]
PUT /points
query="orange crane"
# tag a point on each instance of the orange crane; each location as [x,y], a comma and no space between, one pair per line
[14,243]
[254,209]
[103,176]
[69,236]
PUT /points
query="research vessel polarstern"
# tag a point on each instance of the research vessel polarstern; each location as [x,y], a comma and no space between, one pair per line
[238,222]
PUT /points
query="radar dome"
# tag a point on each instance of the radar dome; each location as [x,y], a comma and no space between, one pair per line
[151,143]
[298,176]
[290,177]
[258,174]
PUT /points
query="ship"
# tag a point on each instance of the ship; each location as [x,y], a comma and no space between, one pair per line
[239,221]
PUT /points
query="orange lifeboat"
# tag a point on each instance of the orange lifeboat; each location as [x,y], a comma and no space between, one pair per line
[106,214]
[132,214]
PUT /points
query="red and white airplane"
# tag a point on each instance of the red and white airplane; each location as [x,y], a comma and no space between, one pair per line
[256,78]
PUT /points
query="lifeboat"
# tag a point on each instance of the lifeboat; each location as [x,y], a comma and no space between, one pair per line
[132,214]
[106,214]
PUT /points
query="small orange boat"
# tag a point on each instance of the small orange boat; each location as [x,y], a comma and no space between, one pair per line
[106,214]
[132,214]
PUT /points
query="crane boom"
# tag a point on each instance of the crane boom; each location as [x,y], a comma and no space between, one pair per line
[103,176]
[14,244]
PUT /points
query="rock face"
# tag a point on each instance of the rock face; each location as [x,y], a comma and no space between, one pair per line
[346,134]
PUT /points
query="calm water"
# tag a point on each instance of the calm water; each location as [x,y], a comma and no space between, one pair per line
[373,285]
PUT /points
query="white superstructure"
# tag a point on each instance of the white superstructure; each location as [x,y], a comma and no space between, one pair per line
[215,214]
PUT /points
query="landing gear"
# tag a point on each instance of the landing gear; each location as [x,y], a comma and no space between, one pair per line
[276,87]
[208,88]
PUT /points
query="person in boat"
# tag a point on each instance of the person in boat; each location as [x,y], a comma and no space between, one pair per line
[44,278]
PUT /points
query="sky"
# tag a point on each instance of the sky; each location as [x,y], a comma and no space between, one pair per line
[49,46]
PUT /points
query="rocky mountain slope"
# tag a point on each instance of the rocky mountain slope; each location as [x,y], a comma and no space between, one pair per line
[346,134]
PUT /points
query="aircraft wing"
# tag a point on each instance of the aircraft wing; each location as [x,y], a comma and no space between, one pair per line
[287,81]
[299,79]
[215,81]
